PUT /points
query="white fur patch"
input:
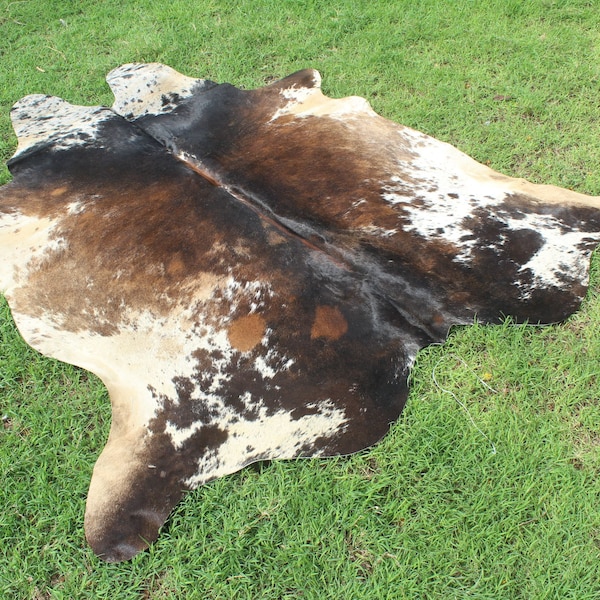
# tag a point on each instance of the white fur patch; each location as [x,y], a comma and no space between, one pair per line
[39,119]
[268,437]
[560,254]
[306,102]
[148,89]
[24,240]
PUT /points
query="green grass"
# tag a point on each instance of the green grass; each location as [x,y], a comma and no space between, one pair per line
[431,511]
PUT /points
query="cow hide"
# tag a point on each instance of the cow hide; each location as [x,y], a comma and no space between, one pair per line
[252,273]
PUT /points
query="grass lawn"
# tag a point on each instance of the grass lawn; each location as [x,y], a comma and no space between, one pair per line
[502,501]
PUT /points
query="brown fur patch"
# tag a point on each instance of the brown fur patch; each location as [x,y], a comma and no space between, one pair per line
[329,323]
[246,332]
[176,266]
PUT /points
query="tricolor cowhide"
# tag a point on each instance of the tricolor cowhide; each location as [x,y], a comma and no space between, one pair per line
[251,273]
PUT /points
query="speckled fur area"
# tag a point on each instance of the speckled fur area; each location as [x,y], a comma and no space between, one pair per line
[251,273]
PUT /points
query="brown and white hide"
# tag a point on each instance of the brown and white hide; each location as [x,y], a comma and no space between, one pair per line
[252,273]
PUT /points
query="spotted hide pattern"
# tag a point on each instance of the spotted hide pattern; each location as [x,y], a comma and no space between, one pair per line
[251,273]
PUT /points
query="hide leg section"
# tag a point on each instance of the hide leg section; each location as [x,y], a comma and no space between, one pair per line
[131,495]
